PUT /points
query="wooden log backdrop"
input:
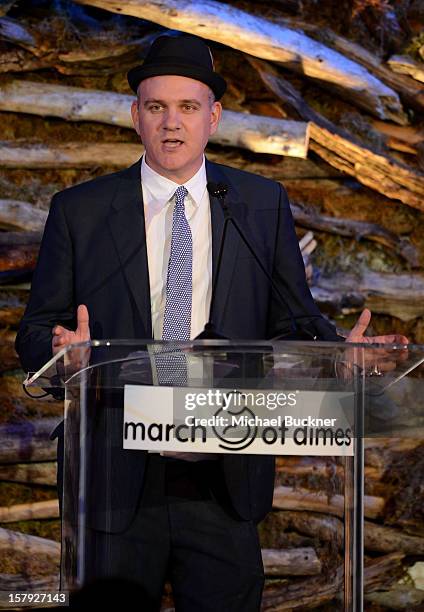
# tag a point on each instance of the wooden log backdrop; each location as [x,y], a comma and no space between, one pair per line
[330,103]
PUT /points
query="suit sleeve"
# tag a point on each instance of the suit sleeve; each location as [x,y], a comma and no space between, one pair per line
[51,298]
[289,275]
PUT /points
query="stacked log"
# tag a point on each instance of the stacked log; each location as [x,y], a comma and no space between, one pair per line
[308,515]
[338,125]
[302,539]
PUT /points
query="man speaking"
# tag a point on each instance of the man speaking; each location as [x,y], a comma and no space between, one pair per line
[132,255]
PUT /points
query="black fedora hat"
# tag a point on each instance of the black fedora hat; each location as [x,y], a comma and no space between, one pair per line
[182,55]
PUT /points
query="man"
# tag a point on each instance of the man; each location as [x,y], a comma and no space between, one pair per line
[132,255]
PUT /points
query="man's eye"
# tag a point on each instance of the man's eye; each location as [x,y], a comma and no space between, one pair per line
[188,107]
[155,108]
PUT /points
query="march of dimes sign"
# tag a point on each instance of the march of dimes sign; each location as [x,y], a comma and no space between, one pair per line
[238,421]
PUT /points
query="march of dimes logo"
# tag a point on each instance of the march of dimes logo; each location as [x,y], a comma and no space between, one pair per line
[239,421]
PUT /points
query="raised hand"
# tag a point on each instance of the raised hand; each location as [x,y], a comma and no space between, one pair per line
[357,332]
[78,358]
[62,336]
[377,360]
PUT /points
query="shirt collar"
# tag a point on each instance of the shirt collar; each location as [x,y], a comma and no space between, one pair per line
[162,189]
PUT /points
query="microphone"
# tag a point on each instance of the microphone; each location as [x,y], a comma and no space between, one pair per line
[219,191]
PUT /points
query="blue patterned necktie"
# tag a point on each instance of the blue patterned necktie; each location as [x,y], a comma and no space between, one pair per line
[179,282]
[171,363]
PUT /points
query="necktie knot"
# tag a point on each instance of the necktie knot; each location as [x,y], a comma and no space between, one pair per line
[180,194]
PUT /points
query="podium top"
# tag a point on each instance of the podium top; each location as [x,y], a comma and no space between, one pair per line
[119,362]
[386,381]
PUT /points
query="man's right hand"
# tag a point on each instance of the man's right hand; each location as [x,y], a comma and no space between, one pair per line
[63,336]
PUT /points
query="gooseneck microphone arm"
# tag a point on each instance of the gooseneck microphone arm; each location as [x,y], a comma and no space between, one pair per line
[219,191]
[219,260]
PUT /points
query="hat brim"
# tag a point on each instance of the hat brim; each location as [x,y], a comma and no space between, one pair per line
[212,79]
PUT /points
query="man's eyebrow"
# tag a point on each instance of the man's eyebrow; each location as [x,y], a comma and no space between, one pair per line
[163,103]
[191,101]
[154,101]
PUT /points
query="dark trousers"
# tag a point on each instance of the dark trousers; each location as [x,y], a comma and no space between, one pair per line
[185,532]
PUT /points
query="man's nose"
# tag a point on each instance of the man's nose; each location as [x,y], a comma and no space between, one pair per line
[172,119]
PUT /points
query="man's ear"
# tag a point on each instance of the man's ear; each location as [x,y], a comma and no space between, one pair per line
[135,117]
[216,113]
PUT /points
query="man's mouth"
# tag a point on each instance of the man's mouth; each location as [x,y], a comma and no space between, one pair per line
[172,143]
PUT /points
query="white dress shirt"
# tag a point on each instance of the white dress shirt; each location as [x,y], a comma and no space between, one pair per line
[158,197]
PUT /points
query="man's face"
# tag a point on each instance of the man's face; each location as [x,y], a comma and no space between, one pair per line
[174,117]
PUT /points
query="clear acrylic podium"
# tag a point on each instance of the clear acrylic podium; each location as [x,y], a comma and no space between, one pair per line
[340,392]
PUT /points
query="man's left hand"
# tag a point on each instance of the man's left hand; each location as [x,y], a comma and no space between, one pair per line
[357,333]
[380,360]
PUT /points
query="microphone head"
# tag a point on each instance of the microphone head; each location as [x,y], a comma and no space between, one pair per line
[217,190]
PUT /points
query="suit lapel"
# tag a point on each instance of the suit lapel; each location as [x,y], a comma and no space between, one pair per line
[232,241]
[126,222]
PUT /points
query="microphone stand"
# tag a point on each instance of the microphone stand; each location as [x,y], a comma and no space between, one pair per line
[209,332]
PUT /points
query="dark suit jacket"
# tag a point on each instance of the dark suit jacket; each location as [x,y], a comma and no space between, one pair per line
[93,252]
